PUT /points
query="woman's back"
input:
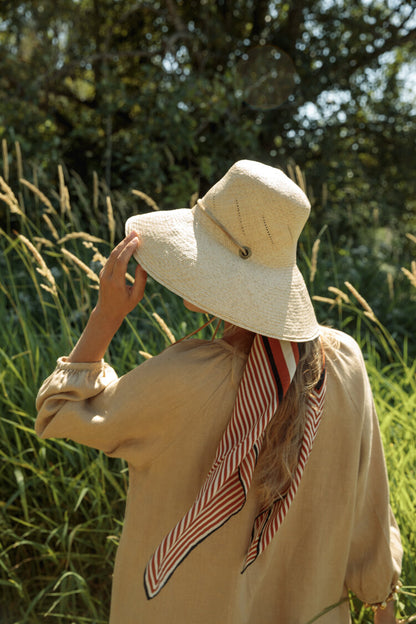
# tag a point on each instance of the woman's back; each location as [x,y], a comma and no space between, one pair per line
[170,444]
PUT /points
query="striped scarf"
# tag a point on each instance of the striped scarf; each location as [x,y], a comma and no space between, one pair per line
[269,371]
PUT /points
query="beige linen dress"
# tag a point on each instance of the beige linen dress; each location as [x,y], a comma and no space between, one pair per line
[166,418]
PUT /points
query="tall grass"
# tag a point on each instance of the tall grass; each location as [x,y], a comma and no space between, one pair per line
[62,505]
[392,374]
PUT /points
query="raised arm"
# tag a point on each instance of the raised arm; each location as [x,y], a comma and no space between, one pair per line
[115,300]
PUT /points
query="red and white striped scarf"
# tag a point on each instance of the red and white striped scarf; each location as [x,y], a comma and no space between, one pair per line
[270,368]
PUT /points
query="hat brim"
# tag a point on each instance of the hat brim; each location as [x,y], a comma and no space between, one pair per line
[181,255]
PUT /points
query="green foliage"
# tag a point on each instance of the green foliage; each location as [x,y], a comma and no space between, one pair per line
[62,505]
[151,93]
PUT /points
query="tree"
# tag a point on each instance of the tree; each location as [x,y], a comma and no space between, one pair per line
[154,95]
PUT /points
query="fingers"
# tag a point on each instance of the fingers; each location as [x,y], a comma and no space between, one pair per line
[139,284]
[121,254]
[125,254]
[116,298]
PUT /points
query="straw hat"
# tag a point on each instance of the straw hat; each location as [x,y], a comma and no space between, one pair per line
[234,253]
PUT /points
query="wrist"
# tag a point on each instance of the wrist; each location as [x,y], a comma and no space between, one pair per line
[96,337]
[109,323]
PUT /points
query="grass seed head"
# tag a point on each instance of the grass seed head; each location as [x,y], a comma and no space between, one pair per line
[5,159]
[82,235]
[64,199]
[164,328]
[45,201]
[43,269]
[324,299]
[314,259]
[365,305]
[19,159]
[43,241]
[339,294]
[90,274]
[10,198]
[110,220]
[411,275]
[50,226]
[148,200]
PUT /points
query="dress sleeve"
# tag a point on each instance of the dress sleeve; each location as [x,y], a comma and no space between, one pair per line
[376,552]
[90,404]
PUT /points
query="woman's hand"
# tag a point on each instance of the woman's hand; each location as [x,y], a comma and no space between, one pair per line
[115,300]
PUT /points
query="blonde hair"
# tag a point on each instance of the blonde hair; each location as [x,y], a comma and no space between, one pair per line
[283,437]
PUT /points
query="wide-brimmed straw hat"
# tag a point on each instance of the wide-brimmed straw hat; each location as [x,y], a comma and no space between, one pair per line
[234,253]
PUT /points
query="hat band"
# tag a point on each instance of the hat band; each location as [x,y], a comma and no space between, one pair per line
[244,251]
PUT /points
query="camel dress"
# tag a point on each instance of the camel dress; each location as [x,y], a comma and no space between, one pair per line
[166,418]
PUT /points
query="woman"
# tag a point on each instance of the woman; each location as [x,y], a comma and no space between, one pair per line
[258,490]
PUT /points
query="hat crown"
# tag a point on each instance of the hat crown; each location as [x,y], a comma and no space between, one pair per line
[261,208]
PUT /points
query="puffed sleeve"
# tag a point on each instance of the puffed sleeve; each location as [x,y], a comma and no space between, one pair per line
[64,400]
[135,416]
[376,552]
[90,404]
